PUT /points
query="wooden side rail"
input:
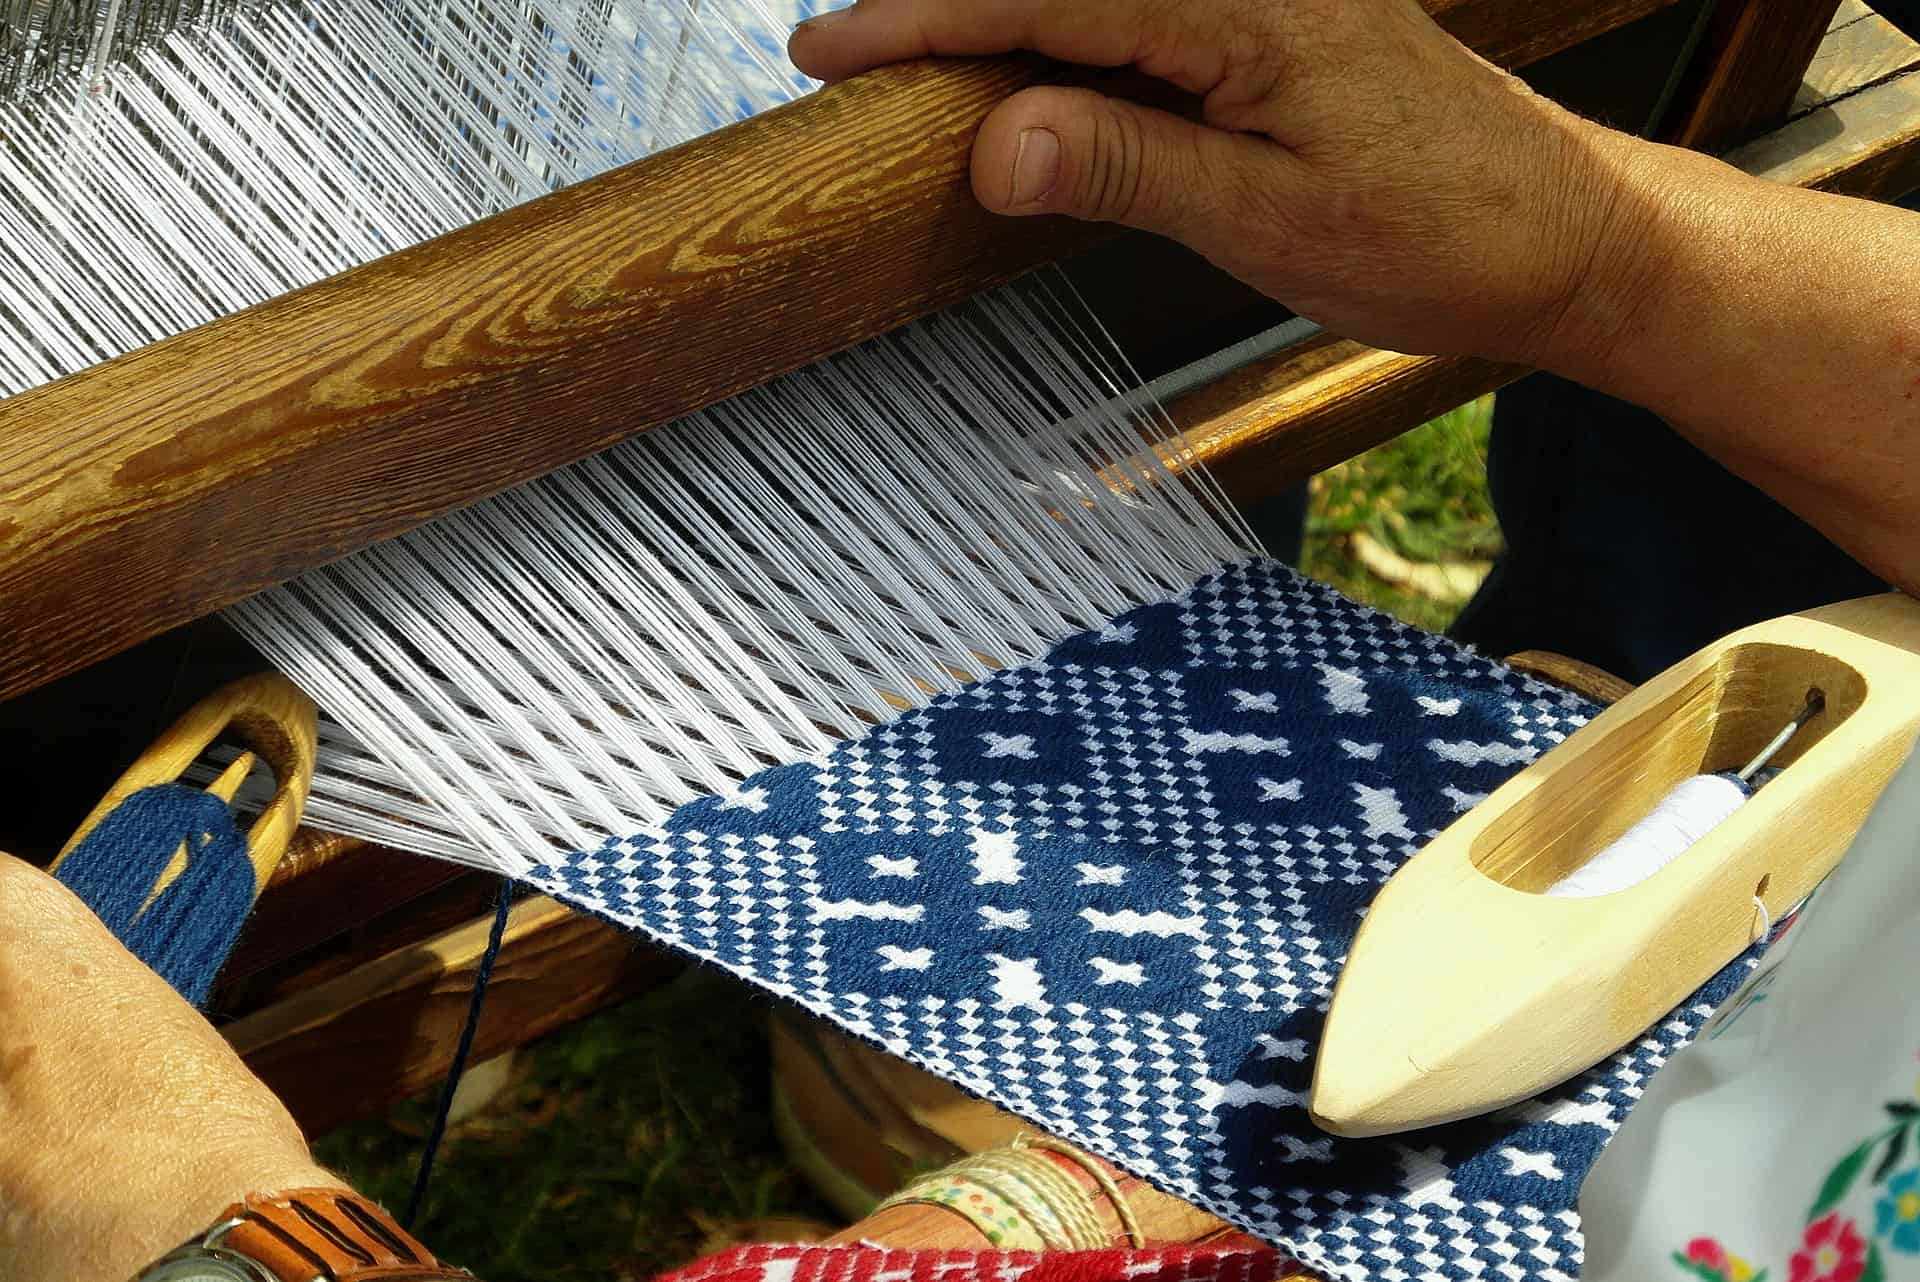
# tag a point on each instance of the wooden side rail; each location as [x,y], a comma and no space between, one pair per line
[156,488]
[367,1039]
[1863,144]
[1756,52]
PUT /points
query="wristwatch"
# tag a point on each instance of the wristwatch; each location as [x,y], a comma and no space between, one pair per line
[306,1235]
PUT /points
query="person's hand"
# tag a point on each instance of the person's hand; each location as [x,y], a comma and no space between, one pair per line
[1354,161]
[126,1122]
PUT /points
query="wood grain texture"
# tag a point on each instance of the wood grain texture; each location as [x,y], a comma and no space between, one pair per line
[1849,12]
[1580,677]
[161,486]
[180,477]
[334,936]
[1278,421]
[1747,71]
[1468,988]
[1866,144]
[357,1044]
[326,895]
[1852,57]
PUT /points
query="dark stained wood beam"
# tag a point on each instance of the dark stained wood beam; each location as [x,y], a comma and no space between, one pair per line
[1749,67]
[358,1043]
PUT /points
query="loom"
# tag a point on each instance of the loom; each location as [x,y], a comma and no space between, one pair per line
[481,360]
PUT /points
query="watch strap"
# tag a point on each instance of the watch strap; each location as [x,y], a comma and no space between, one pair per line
[325,1235]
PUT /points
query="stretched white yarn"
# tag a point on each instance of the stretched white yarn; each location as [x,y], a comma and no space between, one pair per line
[575,658]
[256,148]
[1693,809]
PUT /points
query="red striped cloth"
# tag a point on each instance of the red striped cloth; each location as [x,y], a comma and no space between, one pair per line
[1240,1261]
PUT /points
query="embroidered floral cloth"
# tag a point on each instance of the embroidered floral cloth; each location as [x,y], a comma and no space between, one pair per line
[1784,1146]
[1110,890]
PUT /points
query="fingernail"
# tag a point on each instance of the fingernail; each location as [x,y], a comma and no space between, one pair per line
[820,20]
[1036,166]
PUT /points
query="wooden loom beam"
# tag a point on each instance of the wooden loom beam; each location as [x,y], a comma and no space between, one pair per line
[331,1053]
[1277,421]
[166,484]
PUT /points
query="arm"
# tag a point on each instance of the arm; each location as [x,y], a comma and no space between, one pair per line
[1779,330]
[1355,162]
[126,1122]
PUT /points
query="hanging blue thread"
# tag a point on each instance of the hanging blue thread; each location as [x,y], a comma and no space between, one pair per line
[502,906]
[187,930]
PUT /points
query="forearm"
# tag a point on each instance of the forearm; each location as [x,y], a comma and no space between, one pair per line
[126,1121]
[1778,329]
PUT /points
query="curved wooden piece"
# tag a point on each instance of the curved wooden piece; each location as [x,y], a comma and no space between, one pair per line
[1582,678]
[1468,989]
[277,722]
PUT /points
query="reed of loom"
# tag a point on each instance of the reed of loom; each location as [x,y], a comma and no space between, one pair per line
[131,495]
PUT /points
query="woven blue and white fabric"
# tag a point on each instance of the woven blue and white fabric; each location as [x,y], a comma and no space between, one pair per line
[1110,890]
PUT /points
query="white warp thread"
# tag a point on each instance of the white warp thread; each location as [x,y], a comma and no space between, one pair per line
[261,147]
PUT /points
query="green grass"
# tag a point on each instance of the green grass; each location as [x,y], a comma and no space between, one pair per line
[640,1138]
[1424,495]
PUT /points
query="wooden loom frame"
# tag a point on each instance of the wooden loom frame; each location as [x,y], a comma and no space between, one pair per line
[130,494]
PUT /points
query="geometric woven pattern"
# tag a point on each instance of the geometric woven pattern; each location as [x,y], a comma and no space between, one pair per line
[1110,891]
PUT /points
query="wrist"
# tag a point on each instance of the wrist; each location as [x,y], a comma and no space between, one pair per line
[1644,220]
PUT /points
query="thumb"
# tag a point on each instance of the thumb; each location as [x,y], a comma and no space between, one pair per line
[1080,153]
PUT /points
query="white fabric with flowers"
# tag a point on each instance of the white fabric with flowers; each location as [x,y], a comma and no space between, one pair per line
[1784,1144]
